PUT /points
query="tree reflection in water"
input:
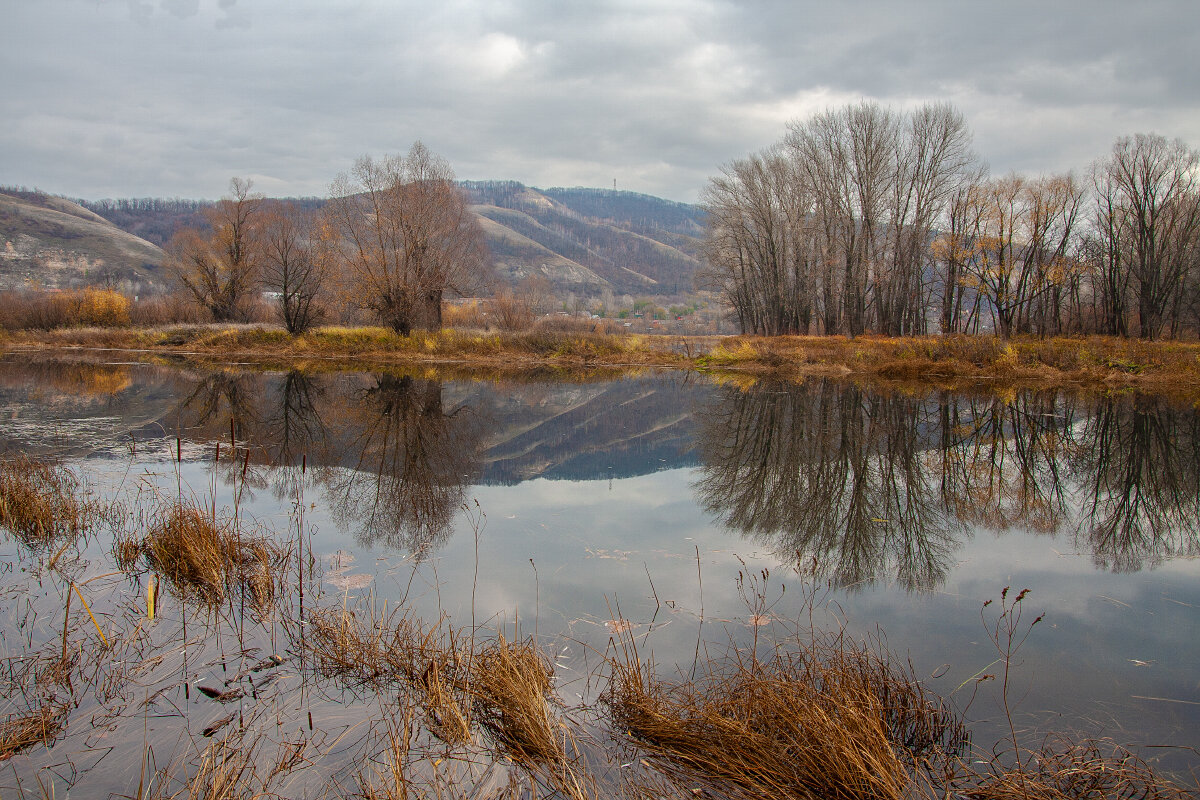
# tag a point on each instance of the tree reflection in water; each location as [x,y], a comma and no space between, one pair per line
[860,487]
[413,461]
[1139,464]
[828,475]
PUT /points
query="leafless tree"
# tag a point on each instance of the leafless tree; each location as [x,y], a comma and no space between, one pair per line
[295,263]
[406,236]
[1148,220]
[220,267]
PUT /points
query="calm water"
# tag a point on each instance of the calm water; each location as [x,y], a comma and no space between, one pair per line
[565,505]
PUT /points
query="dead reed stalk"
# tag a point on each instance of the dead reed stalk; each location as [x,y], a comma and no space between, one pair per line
[19,733]
[510,686]
[40,501]
[396,649]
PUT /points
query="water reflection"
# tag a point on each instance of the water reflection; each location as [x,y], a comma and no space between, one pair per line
[1139,462]
[413,460]
[831,479]
[854,485]
[859,487]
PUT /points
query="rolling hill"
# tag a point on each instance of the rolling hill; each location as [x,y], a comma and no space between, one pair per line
[54,243]
[582,241]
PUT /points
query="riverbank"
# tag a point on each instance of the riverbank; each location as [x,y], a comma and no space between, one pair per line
[1103,363]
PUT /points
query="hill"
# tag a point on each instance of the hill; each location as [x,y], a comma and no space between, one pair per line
[590,240]
[586,242]
[583,241]
[55,243]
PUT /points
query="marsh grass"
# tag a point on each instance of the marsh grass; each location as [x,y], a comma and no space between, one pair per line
[460,686]
[43,726]
[1067,770]
[41,503]
[205,555]
[818,718]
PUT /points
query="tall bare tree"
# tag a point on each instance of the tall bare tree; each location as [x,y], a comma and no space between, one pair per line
[296,258]
[1148,219]
[407,236]
[220,267]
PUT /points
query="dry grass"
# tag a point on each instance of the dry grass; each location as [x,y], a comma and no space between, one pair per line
[204,555]
[505,688]
[510,684]
[823,719]
[562,342]
[20,732]
[1065,770]
[395,649]
[40,502]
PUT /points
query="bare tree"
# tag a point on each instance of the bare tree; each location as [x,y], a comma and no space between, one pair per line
[1148,219]
[220,267]
[295,263]
[407,236]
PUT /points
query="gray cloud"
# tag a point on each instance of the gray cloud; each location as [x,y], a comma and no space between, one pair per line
[173,97]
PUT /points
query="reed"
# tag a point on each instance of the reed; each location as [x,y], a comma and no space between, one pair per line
[41,503]
[205,555]
[510,686]
[1066,770]
[819,719]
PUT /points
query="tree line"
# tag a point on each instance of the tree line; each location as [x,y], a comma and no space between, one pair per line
[863,219]
[394,236]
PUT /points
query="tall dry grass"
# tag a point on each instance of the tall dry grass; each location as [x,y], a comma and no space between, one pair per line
[41,502]
[823,718]
[45,310]
[205,555]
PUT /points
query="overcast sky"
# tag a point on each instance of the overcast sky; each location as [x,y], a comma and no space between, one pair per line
[136,98]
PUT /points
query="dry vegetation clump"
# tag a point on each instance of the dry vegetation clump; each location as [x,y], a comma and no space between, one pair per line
[818,720]
[1066,770]
[40,310]
[205,555]
[40,502]
[510,684]
[396,649]
[42,726]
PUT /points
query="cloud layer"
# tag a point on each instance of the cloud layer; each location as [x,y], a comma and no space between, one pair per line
[173,97]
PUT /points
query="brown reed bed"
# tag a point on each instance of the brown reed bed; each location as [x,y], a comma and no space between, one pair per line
[205,555]
[21,732]
[510,685]
[816,719]
[1101,362]
[394,649]
[41,502]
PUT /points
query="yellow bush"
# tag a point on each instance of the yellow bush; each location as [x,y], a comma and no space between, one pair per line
[101,307]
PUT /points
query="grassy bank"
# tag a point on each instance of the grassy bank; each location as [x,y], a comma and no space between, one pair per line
[1096,362]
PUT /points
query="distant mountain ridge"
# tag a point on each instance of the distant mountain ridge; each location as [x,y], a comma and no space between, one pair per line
[583,241]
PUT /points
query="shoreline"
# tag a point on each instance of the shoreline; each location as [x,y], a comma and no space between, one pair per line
[1089,363]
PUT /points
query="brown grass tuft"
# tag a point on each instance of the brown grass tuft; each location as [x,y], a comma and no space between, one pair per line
[820,720]
[510,684]
[40,502]
[42,726]
[204,555]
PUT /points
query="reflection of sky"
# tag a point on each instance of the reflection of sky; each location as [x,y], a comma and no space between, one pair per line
[1115,655]
[1107,639]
